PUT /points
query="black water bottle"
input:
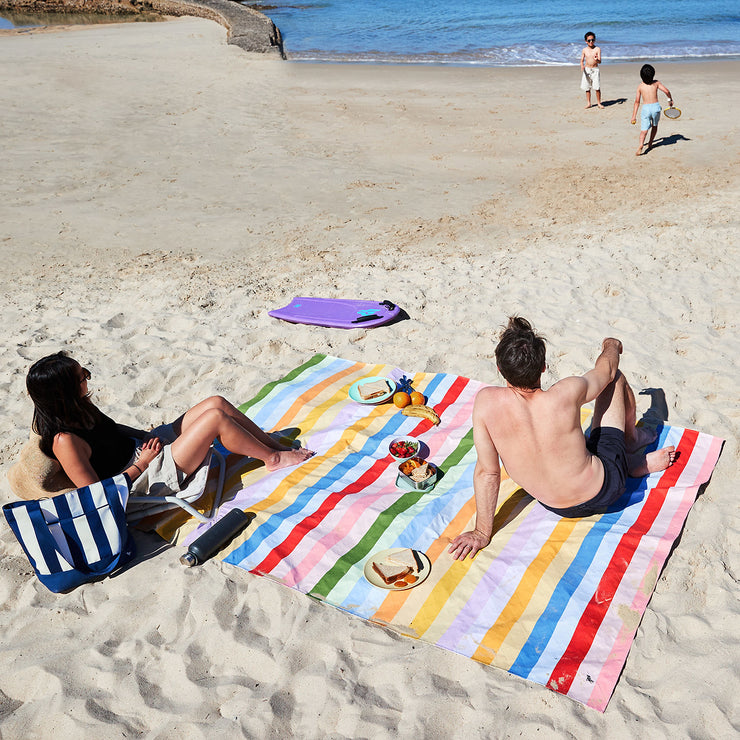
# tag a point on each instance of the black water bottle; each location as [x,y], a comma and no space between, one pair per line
[210,542]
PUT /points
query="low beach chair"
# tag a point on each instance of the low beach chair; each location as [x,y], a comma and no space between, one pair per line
[194,486]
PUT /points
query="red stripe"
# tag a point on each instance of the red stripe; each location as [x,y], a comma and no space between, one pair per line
[565,671]
[453,393]
[312,521]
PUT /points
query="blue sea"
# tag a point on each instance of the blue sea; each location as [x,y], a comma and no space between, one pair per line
[504,32]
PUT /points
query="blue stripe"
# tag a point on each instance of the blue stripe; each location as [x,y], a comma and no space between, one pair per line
[266,530]
[324,484]
[271,408]
[572,578]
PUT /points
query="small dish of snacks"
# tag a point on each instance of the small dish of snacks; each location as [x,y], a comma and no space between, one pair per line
[402,448]
[397,569]
[416,474]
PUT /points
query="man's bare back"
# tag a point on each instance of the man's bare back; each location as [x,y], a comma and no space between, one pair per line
[537,435]
[539,438]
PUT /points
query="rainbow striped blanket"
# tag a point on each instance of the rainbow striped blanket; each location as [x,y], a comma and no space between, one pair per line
[556,601]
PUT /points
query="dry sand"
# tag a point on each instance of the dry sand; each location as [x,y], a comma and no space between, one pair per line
[161,191]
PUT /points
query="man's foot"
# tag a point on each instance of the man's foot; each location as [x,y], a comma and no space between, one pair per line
[639,151]
[600,105]
[653,462]
[660,459]
[587,106]
[640,437]
[287,458]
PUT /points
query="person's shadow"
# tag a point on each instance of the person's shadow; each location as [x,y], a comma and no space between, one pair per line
[657,414]
[616,101]
[667,141]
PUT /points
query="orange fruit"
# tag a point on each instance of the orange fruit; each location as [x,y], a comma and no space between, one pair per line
[401,399]
[417,399]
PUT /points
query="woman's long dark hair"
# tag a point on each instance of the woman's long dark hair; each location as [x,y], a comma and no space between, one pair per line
[53,383]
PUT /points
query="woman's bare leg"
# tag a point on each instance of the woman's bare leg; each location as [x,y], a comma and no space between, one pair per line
[216,417]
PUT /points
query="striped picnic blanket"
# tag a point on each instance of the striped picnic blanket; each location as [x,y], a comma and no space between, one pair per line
[556,601]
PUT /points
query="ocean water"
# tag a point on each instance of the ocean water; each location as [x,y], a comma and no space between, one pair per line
[504,32]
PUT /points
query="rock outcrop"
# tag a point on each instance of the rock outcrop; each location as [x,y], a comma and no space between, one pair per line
[248,29]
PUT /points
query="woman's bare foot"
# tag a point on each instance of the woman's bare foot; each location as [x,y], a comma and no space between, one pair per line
[653,462]
[287,458]
[640,437]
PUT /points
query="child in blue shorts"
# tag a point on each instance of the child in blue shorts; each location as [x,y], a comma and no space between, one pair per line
[647,91]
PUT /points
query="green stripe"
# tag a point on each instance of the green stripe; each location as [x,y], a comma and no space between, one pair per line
[363,547]
[360,551]
[292,375]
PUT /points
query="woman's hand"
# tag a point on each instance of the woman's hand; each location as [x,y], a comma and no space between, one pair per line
[149,450]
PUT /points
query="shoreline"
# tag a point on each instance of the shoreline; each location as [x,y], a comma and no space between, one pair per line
[176,189]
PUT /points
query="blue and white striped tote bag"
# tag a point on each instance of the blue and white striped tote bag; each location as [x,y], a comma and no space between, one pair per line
[77,536]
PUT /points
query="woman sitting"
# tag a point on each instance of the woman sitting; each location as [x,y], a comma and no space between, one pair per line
[91,447]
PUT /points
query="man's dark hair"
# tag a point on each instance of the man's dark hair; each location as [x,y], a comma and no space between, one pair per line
[520,354]
[590,33]
[647,73]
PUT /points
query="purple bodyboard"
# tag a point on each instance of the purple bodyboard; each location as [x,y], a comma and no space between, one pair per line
[339,313]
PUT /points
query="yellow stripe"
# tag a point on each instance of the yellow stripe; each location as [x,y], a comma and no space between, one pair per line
[494,638]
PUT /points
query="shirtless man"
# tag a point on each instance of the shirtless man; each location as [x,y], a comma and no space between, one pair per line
[590,61]
[538,436]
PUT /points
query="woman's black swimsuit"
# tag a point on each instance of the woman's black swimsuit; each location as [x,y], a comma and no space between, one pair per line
[111,449]
[608,444]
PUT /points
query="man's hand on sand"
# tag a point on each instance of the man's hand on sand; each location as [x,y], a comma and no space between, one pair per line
[468,543]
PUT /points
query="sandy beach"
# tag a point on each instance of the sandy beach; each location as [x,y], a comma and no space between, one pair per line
[161,191]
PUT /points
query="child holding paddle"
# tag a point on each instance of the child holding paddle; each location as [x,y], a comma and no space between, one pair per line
[647,92]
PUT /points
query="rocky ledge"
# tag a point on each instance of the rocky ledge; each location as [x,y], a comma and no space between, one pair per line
[247,28]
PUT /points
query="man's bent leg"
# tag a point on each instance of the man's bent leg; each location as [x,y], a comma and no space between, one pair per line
[615,407]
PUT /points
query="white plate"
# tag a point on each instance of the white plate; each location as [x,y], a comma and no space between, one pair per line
[354,392]
[376,580]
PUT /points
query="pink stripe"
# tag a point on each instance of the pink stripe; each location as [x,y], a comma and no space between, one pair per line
[607,679]
[349,530]
[342,530]
[706,452]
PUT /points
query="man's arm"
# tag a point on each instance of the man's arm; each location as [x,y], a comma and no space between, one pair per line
[597,55]
[583,57]
[486,482]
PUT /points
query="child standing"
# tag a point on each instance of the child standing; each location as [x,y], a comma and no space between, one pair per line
[647,92]
[590,61]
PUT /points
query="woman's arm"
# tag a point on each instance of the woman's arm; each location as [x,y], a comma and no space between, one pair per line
[73,454]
